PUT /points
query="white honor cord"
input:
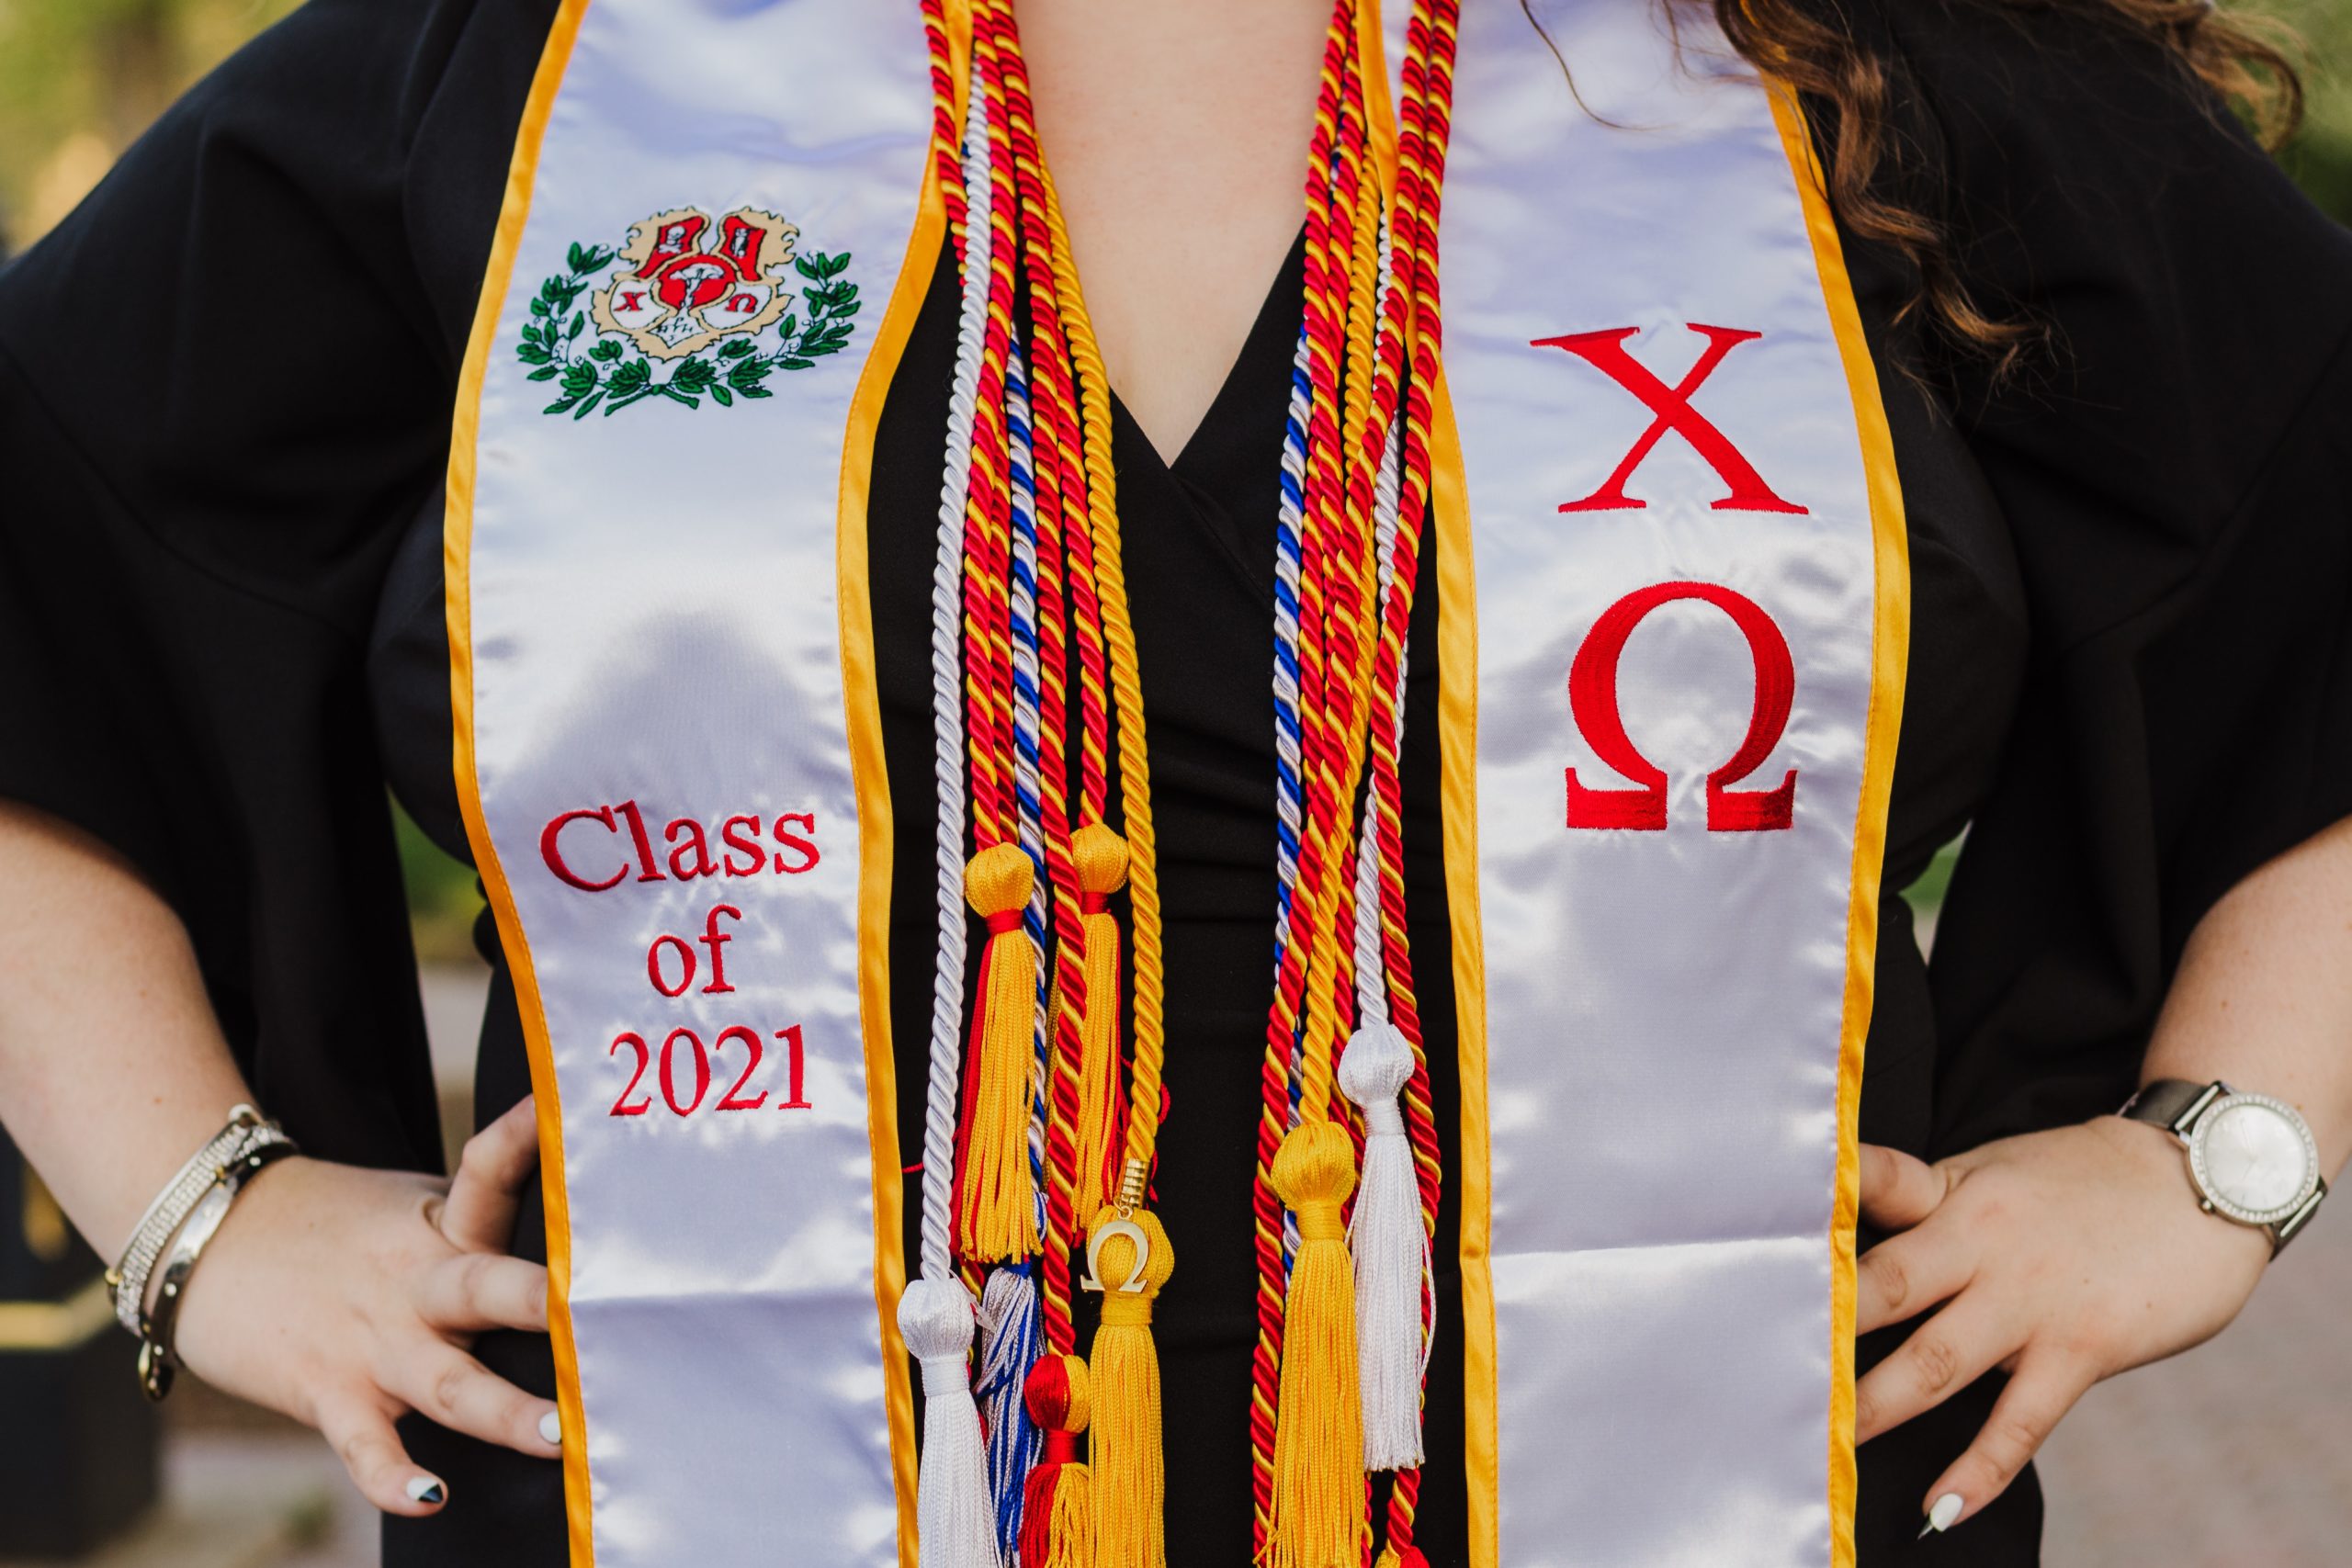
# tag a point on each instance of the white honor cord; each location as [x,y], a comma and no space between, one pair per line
[1372,963]
[1390,1243]
[947,702]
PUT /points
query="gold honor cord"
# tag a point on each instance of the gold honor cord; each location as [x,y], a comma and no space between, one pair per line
[1129,1255]
[1126,690]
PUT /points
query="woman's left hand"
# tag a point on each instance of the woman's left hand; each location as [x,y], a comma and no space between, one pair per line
[2062,1258]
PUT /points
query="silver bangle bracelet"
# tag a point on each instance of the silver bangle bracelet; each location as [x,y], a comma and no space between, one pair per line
[127,1281]
[158,1360]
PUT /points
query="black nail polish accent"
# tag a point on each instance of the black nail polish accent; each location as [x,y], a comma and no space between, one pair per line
[434,1494]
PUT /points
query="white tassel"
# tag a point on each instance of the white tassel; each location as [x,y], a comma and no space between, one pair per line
[955,1519]
[1391,1252]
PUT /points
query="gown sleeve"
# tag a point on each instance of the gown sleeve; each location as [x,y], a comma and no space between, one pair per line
[224,385]
[2177,474]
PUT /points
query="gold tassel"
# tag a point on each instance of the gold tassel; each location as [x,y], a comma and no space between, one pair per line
[1317,1519]
[1100,857]
[997,1211]
[1057,1506]
[1130,1472]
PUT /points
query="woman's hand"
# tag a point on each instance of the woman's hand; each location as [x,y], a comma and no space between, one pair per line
[2062,1257]
[344,1297]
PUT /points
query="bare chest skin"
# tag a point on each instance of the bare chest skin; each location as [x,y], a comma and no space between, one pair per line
[1177,135]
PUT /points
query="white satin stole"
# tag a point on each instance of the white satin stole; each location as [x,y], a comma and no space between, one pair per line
[1681,524]
[646,621]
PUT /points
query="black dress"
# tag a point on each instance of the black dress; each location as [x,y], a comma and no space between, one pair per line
[225,387]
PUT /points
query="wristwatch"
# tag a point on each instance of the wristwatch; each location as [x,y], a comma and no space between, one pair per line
[2251,1157]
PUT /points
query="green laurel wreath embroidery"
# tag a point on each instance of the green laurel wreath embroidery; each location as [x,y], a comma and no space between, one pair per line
[609,373]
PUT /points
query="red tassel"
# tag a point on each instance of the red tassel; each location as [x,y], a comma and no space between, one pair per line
[1057,1507]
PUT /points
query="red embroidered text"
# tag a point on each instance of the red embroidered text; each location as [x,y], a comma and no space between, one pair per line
[1605,352]
[1592,697]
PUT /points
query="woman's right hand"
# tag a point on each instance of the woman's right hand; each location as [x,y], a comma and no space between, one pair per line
[345,1297]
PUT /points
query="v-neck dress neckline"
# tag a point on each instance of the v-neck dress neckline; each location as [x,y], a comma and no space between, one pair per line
[1223,470]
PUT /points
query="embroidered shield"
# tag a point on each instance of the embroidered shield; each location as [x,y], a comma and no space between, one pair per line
[690,307]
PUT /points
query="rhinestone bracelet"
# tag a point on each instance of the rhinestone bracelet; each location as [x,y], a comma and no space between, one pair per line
[127,1281]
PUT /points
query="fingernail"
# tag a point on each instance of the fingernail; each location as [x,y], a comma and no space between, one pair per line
[551,1428]
[1941,1516]
[424,1489]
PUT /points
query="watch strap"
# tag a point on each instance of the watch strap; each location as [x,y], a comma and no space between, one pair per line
[2285,1230]
[2174,1104]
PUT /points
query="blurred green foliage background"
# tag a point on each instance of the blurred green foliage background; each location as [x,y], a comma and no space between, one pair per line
[80,79]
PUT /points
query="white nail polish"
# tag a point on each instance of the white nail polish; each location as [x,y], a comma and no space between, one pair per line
[551,1428]
[1941,1516]
[424,1489]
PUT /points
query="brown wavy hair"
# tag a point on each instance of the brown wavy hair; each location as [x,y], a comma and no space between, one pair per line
[2244,63]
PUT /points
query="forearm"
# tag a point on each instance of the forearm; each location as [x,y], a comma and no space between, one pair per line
[2264,995]
[113,1069]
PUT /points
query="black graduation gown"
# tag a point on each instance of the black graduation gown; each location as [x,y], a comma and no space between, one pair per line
[225,386]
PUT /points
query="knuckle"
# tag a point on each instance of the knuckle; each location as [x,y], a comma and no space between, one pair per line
[1888,1276]
[1934,1361]
[448,1388]
[2011,1441]
[516,1417]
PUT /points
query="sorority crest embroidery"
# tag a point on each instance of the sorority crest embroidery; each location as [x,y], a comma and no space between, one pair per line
[690,307]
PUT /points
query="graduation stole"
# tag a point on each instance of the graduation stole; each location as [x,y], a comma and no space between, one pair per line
[1669,556]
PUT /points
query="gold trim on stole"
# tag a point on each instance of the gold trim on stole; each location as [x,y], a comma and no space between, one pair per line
[458,528]
[1458,658]
[1889,657]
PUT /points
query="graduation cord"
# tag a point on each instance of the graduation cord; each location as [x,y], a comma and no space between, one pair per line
[1133,1256]
[1289,814]
[1030,580]
[996,1208]
[1029,571]
[1275,1237]
[936,1313]
[1306,1430]
[1425,116]
[1068,1506]
[1011,1331]
[1359,909]
[967,193]
[1110,586]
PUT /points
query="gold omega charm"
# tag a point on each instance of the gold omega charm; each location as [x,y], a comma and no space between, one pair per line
[1133,1284]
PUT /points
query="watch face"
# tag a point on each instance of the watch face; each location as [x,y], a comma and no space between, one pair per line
[2253,1157]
